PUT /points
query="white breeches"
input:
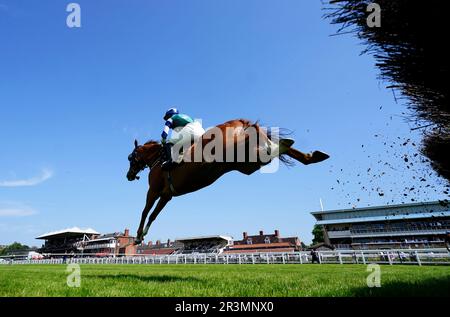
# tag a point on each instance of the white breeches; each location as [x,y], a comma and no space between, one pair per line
[182,138]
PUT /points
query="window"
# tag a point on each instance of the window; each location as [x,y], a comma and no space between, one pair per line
[249,241]
[267,240]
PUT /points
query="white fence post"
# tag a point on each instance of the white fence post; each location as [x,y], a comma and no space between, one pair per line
[418,258]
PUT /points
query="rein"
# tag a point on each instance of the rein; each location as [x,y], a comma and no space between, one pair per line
[169,179]
[156,162]
[169,175]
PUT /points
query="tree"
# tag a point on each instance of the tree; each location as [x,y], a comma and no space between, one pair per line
[318,234]
[14,247]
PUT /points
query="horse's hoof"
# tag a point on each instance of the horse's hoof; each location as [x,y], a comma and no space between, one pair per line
[318,156]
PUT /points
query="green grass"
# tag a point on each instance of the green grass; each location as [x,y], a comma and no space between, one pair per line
[224,280]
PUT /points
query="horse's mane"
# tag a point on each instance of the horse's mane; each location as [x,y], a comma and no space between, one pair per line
[246,123]
[150,142]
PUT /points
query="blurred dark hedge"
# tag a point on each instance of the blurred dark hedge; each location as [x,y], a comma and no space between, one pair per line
[411,52]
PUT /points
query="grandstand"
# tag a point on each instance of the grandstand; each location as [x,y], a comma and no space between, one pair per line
[418,225]
[193,245]
[75,241]
[67,240]
[205,244]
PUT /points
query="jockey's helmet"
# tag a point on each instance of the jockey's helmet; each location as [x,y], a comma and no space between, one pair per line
[170,113]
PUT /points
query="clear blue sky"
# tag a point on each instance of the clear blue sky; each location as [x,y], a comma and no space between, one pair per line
[73,100]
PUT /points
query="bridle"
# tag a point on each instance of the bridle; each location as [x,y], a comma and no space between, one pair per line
[138,167]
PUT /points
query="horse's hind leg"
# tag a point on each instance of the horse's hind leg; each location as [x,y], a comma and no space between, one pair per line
[151,199]
[307,158]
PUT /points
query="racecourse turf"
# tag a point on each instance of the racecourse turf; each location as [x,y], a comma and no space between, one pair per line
[224,280]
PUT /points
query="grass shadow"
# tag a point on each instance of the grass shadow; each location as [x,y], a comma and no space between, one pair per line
[432,287]
[146,278]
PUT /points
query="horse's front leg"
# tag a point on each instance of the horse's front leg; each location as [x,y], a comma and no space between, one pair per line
[151,199]
[160,206]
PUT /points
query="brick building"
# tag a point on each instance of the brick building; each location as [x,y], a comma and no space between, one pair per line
[111,244]
[264,243]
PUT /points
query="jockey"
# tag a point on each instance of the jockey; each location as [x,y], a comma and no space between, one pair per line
[187,131]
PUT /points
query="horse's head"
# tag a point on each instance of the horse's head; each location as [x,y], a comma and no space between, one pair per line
[141,157]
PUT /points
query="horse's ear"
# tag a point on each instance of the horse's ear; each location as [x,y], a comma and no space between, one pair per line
[135,143]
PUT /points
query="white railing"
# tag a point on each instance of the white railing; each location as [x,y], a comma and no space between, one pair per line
[395,232]
[360,233]
[391,257]
[339,234]
[100,246]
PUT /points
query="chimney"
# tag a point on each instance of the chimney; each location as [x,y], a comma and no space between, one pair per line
[168,242]
[261,233]
[127,232]
[245,235]
[150,243]
[277,233]
[158,242]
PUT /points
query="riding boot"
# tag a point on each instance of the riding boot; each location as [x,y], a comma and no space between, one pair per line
[167,164]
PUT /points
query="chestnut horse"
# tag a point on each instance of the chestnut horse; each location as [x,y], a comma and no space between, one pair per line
[191,175]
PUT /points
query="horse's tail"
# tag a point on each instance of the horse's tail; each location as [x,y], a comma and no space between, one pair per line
[286,160]
[281,133]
